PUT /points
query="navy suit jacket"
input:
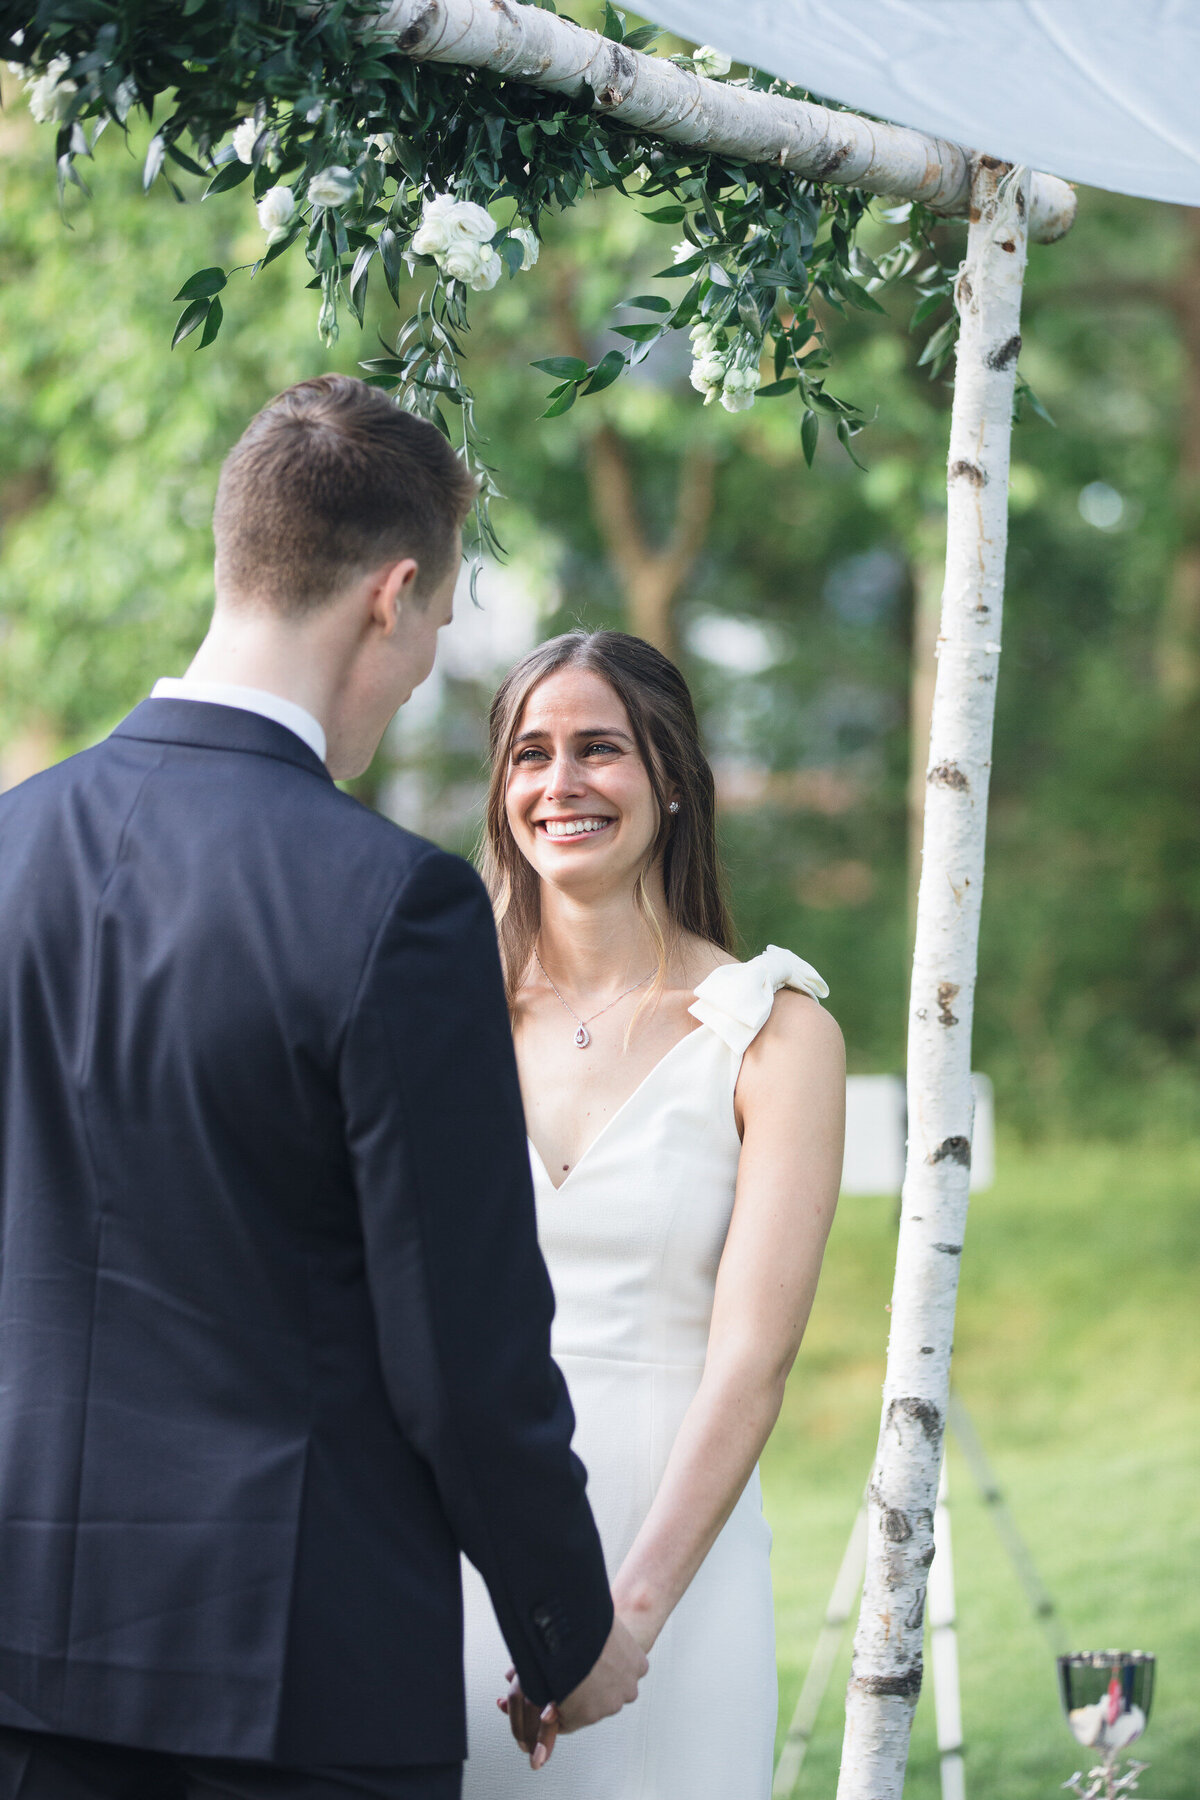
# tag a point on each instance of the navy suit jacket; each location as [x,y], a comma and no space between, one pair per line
[274,1325]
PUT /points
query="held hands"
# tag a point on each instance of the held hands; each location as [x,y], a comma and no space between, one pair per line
[611,1684]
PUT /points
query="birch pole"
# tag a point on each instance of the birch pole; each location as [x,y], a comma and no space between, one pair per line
[648,93]
[886,1676]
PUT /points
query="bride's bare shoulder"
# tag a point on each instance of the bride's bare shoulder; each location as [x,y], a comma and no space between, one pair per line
[697,958]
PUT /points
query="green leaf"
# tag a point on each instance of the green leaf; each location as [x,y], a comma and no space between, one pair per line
[844,436]
[154,160]
[777,387]
[667,215]
[201,285]
[606,372]
[614,24]
[527,138]
[185,162]
[810,427]
[688,266]
[563,404]
[563,368]
[639,334]
[392,257]
[643,37]
[211,325]
[926,308]
[193,314]
[231,176]
[938,344]
[649,303]
[513,253]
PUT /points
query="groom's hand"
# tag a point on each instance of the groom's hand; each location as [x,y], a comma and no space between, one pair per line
[611,1684]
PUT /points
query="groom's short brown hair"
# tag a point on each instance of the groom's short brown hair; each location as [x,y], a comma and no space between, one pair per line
[327,482]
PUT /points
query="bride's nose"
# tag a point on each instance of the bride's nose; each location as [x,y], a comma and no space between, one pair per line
[565,779]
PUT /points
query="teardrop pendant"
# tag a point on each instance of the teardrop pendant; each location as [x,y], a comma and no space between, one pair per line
[583,1037]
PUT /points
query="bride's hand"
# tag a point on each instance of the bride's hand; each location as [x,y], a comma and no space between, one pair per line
[534,1731]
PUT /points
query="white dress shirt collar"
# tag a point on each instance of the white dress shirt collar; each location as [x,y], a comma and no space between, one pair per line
[249,699]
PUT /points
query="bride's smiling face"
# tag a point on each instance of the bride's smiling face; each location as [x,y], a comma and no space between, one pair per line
[578,795]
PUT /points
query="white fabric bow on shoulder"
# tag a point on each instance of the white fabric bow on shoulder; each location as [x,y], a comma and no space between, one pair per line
[735,1001]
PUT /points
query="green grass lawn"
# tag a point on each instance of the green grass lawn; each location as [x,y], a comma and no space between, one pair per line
[1078,1356]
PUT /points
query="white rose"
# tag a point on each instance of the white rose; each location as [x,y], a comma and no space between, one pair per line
[705,338]
[529,245]
[682,250]
[431,239]
[470,223]
[491,266]
[432,236]
[49,94]
[464,261]
[276,210]
[736,400]
[333,186]
[384,145]
[710,62]
[244,140]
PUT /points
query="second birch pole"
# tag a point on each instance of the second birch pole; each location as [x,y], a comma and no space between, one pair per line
[886,1676]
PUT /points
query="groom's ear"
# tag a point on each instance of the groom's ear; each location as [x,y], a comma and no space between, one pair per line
[394,587]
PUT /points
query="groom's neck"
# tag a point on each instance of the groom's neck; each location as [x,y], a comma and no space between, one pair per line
[302,660]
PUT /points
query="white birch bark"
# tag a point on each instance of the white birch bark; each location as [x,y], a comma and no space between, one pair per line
[887,1668]
[651,94]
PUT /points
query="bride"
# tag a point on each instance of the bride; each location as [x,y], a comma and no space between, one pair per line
[685,1122]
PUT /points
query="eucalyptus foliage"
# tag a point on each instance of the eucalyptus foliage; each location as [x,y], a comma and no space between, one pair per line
[346,144]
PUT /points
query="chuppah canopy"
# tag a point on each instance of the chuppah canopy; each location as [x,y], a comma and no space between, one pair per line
[1099,91]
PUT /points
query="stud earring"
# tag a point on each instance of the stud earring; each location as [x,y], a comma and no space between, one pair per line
[673,806]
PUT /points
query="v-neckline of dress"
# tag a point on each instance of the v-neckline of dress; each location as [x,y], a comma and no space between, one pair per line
[613,1117]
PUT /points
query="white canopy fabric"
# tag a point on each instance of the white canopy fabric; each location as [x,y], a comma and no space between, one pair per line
[1101,91]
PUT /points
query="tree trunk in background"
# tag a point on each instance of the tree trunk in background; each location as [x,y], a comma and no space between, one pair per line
[651,578]
[1178,645]
[886,1678]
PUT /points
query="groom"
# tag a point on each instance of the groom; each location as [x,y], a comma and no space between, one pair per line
[274,1326]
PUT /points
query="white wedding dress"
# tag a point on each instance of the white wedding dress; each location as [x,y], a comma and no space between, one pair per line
[633,1238]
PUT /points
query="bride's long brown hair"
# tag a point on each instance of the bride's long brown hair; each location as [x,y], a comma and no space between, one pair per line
[663,720]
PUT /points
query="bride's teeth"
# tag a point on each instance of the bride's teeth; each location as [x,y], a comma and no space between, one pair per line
[563,828]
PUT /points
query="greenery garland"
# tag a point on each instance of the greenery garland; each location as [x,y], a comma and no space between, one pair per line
[372,160]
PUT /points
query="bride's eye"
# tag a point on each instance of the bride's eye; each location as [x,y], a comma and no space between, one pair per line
[528,754]
[609,749]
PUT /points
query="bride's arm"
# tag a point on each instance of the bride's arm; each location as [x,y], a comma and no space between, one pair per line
[791,1105]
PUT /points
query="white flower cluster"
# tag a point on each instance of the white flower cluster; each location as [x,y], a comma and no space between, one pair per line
[458,235]
[710,62]
[720,373]
[333,186]
[49,94]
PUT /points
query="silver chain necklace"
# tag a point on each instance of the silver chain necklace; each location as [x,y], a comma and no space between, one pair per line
[583,1036]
